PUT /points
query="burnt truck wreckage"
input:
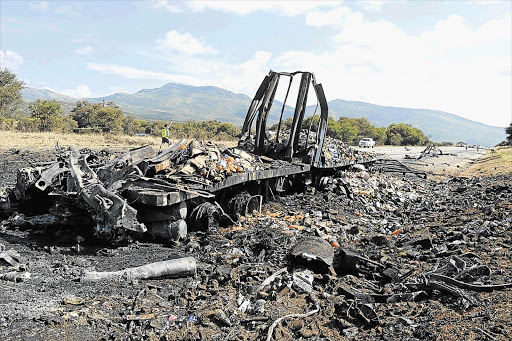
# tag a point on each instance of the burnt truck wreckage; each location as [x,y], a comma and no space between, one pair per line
[354,255]
[190,184]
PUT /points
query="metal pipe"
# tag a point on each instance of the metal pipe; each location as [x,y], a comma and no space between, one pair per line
[282,110]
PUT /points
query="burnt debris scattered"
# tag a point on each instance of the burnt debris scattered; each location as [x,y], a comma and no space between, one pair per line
[286,236]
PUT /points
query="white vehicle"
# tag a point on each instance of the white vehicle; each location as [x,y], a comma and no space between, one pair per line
[367,142]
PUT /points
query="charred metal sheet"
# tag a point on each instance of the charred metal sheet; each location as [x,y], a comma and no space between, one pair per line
[5,201]
[313,250]
[261,122]
[109,209]
[121,166]
[168,153]
[259,175]
[159,192]
[255,104]
[162,161]
[136,155]
[26,178]
[168,230]
[322,124]
[48,176]
[300,108]
[147,196]
[148,213]
[20,220]
[394,166]
[333,164]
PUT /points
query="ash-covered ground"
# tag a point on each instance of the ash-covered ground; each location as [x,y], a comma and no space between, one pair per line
[414,259]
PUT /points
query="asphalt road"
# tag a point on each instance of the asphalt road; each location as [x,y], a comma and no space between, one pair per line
[452,160]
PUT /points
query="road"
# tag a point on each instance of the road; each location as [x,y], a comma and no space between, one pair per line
[452,161]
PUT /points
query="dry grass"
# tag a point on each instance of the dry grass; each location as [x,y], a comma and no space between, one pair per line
[11,139]
[493,163]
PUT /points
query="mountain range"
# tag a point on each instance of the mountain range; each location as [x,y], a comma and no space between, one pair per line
[184,102]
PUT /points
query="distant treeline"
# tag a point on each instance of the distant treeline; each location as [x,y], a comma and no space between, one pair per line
[107,117]
[85,117]
[351,130]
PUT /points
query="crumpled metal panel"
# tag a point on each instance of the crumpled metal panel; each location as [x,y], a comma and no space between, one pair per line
[314,249]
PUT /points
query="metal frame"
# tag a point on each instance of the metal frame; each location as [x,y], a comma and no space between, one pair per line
[262,103]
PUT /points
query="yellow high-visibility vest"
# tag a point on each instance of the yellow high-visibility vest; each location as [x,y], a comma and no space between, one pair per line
[164,133]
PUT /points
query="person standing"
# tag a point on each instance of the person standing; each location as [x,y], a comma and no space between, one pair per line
[165,136]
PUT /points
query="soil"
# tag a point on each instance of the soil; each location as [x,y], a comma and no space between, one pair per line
[405,228]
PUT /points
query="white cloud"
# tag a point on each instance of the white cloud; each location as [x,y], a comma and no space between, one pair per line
[486,2]
[373,5]
[170,6]
[69,9]
[84,50]
[128,72]
[10,59]
[288,8]
[82,39]
[184,43]
[334,17]
[81,91]
[449,67]
[239,77]
[39,6]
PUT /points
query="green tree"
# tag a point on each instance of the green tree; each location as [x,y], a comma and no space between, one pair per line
[98,116]
[333,128]
[364,127]
[131,125]
[408,135]
[66,124]
[10,95]
[508,130]
[47,113]
[27,124]
[8,123]
[348,131]
[227,129]
[109,119]
[379,135]
[395,139]
[84,114]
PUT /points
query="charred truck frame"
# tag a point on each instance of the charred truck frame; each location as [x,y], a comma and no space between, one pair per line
[167,195]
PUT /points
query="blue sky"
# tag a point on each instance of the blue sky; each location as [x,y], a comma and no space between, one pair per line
[454,56]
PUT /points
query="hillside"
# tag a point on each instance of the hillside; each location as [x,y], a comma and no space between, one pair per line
[183,102]
[437,125]
[31,94]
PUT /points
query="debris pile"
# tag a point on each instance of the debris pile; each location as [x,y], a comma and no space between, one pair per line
[139,192]
[360,254]
[430,151]
[334,151]
[88,187]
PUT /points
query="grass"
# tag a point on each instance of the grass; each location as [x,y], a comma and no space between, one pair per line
[21,140]
[494,162]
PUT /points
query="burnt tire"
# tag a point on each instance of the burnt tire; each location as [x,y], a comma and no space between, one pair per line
[204,216]
[237,206]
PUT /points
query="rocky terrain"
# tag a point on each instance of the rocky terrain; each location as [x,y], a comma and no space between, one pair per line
[394,258]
